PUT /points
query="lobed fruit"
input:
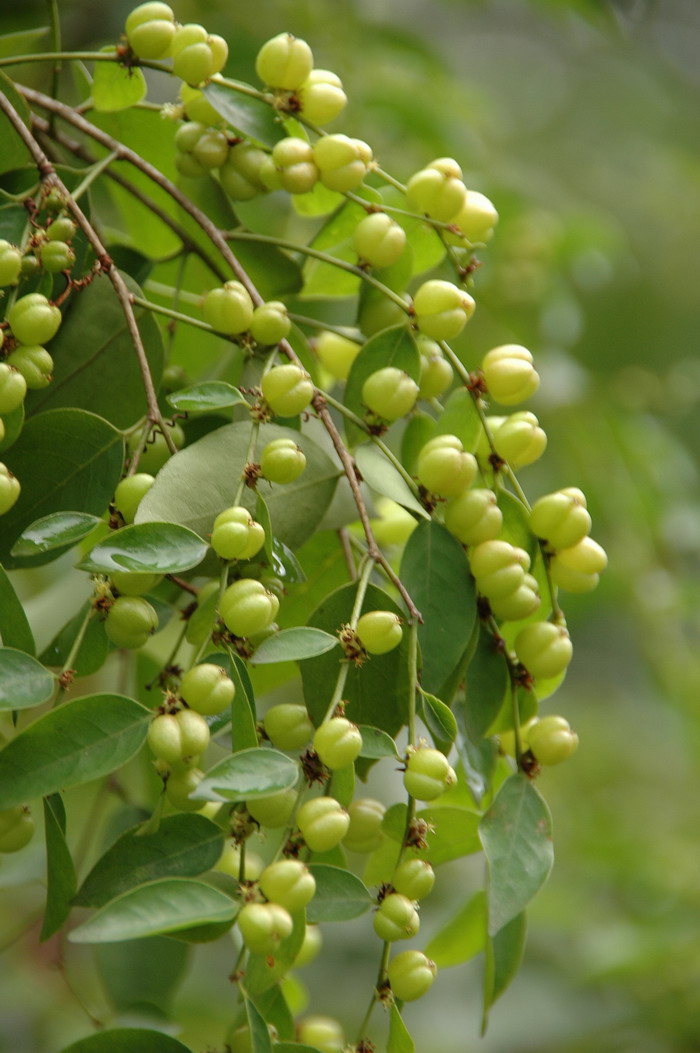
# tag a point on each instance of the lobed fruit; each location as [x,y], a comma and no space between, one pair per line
[13,388]
[498,567]
[130,492]
[16,828]
[342,162]
[414,878]
[270,323]
[35,364]
[519,604]
[474,516]
[519,440]
[56,256]
[509,374]
[288,882]
[338,742]
[240,173]
[178,787]
[33,320]
[197,55]
[288,726]
[396,918]
[551,740]
[275,811]
[578,568]
[263,926]
[10,263]
[130,621]
[476,219]
[197,106]
[544,649]
[150,29]
[441,309]
[379,631]
[411,975]
[428,774]
[365,832]
[178,738]
[336,353]
[322,1033]
[63,228]
[228,309]
[444,468]
[291,166]
[321,97]
[436,373]
[438,190]
[284,61]
[211,149]
[236,535]
[207,688]
[282,461]
[561,518]
[323,823]
[247,607]
[287,390]
[131,583]
[378,240]
[389,393]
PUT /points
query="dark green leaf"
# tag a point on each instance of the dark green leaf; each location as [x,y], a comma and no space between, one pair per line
[14,422]
[400,1040]
[208,396]
[248,773]
[141,975]
[24,682]
[383,477]
[285,564]
[54,531]
[182,846]
[487,684]
[342,787]
[294,645]
[14,153]
[151,548]
[163,906]
[340,895]
[252,117]
[61,881]
[504,954]
[438,718]
[126,1040]
[262,514]
[272,1006]
[435,571]
[76,743]
[243,730]
[260,1041]
[15,630]
[93,649]
[460,418]
[464,935]
[392,347]
[376,743]
[116,87]
[516,833]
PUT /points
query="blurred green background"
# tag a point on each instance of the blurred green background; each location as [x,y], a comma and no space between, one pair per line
[581,121]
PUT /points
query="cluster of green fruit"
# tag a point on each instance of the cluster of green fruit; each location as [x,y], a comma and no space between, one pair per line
[153,33]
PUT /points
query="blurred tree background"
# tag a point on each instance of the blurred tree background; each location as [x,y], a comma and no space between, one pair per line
[580,121]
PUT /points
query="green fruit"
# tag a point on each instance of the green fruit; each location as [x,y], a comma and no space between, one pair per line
[240,174]
[498,567]
[130,492]
[544,649]
[35,364]
[476,219]
[321,97]
[414,878]
[342,162]
[395,525]
[474,516]
[509,374]
[411,975]
[288,882]
[207,688]
[13,388]
[236,535]
[310,947]
[56,256]
[62,229]
[436,374]
[9,489]
[322,1033]
[444,468]
[178,738]
[33,320]
[578,568]
[519,440]
[282,461]
[273,812]
[16,828]
[396,919]
[288,726]
[519,604]
[442,309]
[561,518]
[150,29]
[552,740]
[428,774]
[376,311]
[247,607]
[287,390]
[338,743]
[211,149]
[197,55]
[230,863]
[129,583]
[263,926]
[365,832]
[379,631]
[336,353]
[155,451]
[197,106]
[378,240]
[130,621]
[270,323]
[291,166]
[438,190]
[389,393]
[284,61]
[10,263]
[180,785]
[229,309]
[323,823]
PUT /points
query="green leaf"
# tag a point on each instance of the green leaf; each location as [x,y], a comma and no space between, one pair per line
[151,548]
[419,430]
[14,422]
[123,1039]
[182,846]
[460,418]
[262,514]
[116,87]
[377,692]
[167,905]
[252,117]
[381,475]
[206,397]
[24,682]
[516,833]
[400,1040]
[262,973]
[58,530]
[435,571]
[61,881]
[504,954]
[454,833]
[392,347]
[66,460]
[96,368]
[80,741]
[15,630]
[25,42]
[464,935]
[340,895]
[438,718]
[294,645]
[14,153]
[93,649]
[201,480]
[260,1041]
[342,787]
[377,744]
[487,685]
[273,1007]
[243,730]
[249,773]
[141,975]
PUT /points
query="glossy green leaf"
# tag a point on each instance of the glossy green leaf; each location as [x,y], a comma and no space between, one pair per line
[435,571]
[487,685]
[391,347]
[24,682]
[206,397]
[61,881]
[96,368]
[151,548]
[15,630]
[123,1039]
[243,725]
[294,645]
[377,691]
[66,460]
[201,480]
[252,117]
[383,477]
[57,530]
[80,741]
[400,1040]
[453,832]
[464,935]
[184,845]
[116,87]
[248,773]
[516,833]
[377,744]
[260,1041]
[92,652]
[340,895]
[438,718]
[460,418]
[504,954]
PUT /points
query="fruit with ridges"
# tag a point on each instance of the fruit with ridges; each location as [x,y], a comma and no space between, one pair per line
[288,726]
[130,583]
[270,323]
[520,603]
[498,567]
[437,190]
[180,784]
[519,440]
[263,926]
[16,828]
[436,373]
[273,812]
[10,263]
[288,882]
[207,688]
[365,832]
[414,878]
[552,740]
[56,256]
[322,1033]
[474,516]
[561,518]
[211,149]
[509,374]
[247,607]
[130,492]
[396,919]
[428,774]
[291,166]
[338,742]
[130,621]
[284,61]
[342,162]
[13,388]
[442,309]
[321,96]
[240,174]
[282,461]
[323,823]
[228,309]
[389,393]
[287,390]
[379,240]
[578,568]
[35,364]
[411,975]
[476,219]
[9,489]
[310,947]
[336,353]
[178,738]
[150,29]
[444,467]
[197,55]
[236,535]
[379,631]
[63,228]
[544,649]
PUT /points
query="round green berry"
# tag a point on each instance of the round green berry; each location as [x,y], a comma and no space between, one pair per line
[338,742]
[247,607]
[288,882]
[396,919]
[236,535]
[323,823]
[441,309]
[310,947]
[180,784]
[476,219]
[519,440]
[561,518]
[228,309]
[270,323]
[240,174]
[130,583]
[287,390]
[428,774]
[197,55]
[35,364]
[16,828]
[365,832]
[10,263]
[130,621]
[33,320]
[498,567]
[411,975]
[150,29]
[9,489]
[552,740]
[437,190]
[197,106]
[474,516]
[130,492]
[578,568]
[414,878]
[275,811]
[436,373]
[321,97]
[284,61]
[519,604]
[13,388]
[378,240]
[342,162]
[178,738]
[63,228]
[336,353]
[288,726]
[207,688]
[389,393]
[282,461]
[379,631]
[263,926]
[509,374]
[291,166]
[56,256]
[544,648]
[322,1033]
[211,149]
[444,468]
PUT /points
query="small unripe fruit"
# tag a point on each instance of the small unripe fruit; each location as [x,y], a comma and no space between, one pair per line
[552,740]
[498,567]
[322,1033]
[130,621]
[544,649]
[10,263]
[323,823]
[436,373]
[442,309]
[414,878]
[197,106]
[282,461]
[411,975]
[228,309]
[288,726]
[396,919]
[150,29]
[178,738]
[62,229]
[288,882]
[13,388]
[130,583]
[197,55]
[16,828]
[263,926]
[211,149]
[365,831]
[270,323]
[509,374]
[56,256]
[561,518]
[474,516]
[321,97]
[230,862]
[236,535]
[342,162]
[476,219]
[287,390]
[240,174]
[338,742]
[9,489]
[437,190]
[428,774]
[207,688]
[291,166]
[578,568]
[379,631]
[33,320]
[35,364]
[309,948]
[444,468]
[247,607]
[284,61]
[519,440]
[130,492]
[379,240]
[180,785]
[336,353]
[519,604]
[389,393]
[273,812]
